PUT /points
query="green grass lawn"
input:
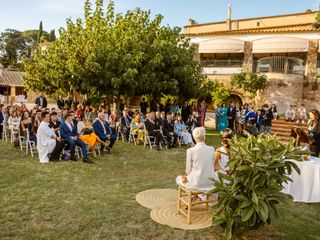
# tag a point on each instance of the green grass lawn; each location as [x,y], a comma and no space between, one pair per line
[73,200]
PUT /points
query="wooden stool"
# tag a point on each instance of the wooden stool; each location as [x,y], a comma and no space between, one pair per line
[182,202]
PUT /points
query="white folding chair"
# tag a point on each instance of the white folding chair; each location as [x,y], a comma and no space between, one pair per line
[30,145]
[151,140]
[5,133]
[120,134]
[132,136]
[22,141]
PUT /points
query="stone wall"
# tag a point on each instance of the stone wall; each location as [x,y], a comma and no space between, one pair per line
[283,90]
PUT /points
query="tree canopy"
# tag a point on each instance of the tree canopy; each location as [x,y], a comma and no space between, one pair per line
[249,82]
[127,54]
[17,46]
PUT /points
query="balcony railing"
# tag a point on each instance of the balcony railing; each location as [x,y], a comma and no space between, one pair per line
[286,65]
[229,63]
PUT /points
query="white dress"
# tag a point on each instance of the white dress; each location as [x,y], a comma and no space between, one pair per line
[199,168]
[224,160]
[45,142]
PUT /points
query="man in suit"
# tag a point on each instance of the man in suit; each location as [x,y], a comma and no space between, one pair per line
[70,135]
[68,103]
[41,101]
[102,130]
[1,121]
[143,107]
[125,121]
[60,102]
[232,113]
[85,101]
[185,112]
[168,130]
[153,128]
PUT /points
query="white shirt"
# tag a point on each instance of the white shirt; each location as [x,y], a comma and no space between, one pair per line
[104,128]
[69,126]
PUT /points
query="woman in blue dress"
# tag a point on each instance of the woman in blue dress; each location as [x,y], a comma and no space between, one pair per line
[223,118]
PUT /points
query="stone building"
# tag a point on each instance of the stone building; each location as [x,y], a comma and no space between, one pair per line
[11,84]
[285,48]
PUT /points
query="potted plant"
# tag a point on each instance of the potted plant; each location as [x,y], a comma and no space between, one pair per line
[249,195]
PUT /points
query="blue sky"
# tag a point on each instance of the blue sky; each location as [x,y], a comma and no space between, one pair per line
[26,14]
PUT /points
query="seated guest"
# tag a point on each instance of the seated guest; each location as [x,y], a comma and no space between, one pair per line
[181,131]
[87,135]
[199,164]
[302,114]
[93,115]
[314,132]
[290,114]
[102,130]
[168,130]
[36,120]
[193,121]
[153,129]
[113,121]
[221,154]
[54,123]
[137,127]
[69,133]
[14,122]
[79,111]
[125,121]
[26,124]
[49,146]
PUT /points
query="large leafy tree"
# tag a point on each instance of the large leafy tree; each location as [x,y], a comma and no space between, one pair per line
[116,55]
[17,46]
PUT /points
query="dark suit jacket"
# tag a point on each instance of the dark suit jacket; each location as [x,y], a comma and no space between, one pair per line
[1,117]
[44,102]
[99,131]
[151,127]
[68,102]
[60,103]
[66,133]
[167,127]
[232,112]
[123,121]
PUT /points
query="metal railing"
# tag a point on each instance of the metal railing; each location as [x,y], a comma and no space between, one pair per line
[228,63]
[286,65]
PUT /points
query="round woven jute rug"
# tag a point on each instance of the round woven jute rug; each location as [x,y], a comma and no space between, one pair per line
[166,215]
[156,197]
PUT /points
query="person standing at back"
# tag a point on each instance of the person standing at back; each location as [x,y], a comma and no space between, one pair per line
[41,101]
[1,121]
[143,106]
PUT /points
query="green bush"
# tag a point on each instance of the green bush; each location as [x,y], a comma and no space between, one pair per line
[249,195]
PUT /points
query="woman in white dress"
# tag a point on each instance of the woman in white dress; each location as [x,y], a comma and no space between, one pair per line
[199,164]
[181,130]
[221,154]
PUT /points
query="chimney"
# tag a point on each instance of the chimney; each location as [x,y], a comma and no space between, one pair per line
[192,22]
[229,21]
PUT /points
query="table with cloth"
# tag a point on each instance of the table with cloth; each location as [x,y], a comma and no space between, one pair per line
[306,186]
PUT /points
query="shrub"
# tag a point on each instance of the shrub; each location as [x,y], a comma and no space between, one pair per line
[249,195]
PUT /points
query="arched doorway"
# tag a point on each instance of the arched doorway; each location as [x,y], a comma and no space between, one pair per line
[234,98]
